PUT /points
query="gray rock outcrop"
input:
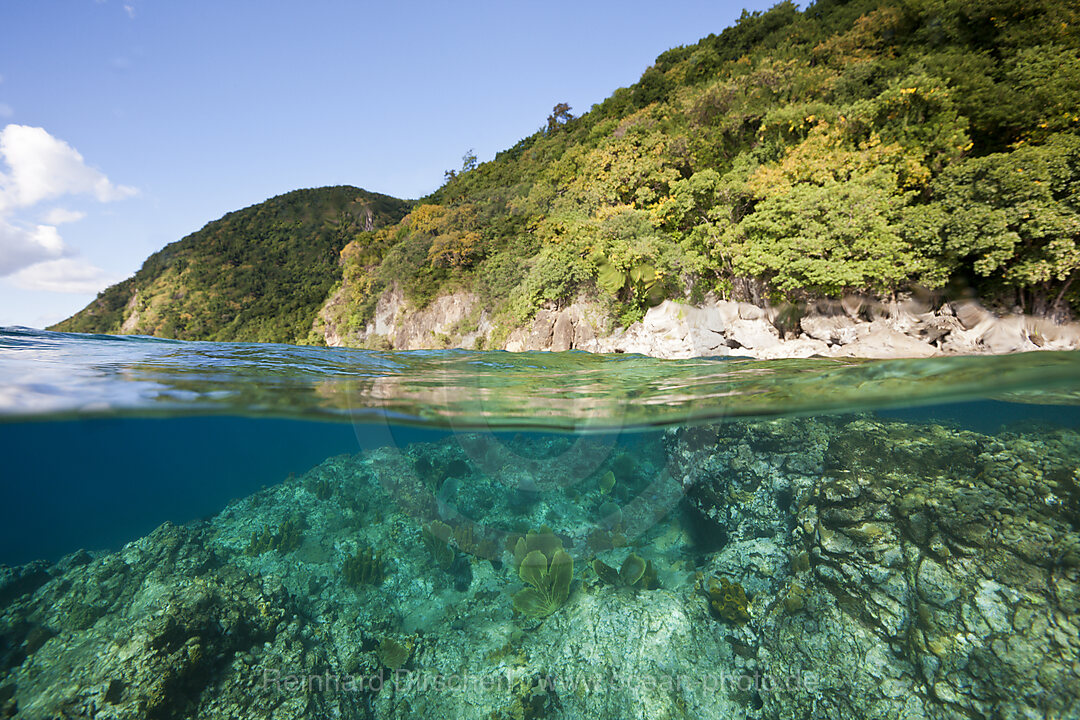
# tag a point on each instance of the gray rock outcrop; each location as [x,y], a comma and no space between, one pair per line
[848,328]
[928,573]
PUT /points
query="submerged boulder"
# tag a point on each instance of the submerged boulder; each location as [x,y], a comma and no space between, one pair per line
[933,570]
[838,567]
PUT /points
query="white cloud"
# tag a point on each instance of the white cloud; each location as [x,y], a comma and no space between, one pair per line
[130,10]
[20,247]
[40,167]
[66,275]
[59,216]
[43,167]
[6,110]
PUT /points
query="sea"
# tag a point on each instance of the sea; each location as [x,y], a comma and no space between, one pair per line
[206,529]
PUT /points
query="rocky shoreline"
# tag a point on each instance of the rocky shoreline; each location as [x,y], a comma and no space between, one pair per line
[831,567]
[851,327]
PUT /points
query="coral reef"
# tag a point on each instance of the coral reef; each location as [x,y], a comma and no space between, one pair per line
[547,569]
[914,557]
[393,654]
[364,567]
[322,489]
[727,599]
[436,537]
[288,536]
[893,570]
[470,541]
[634,572]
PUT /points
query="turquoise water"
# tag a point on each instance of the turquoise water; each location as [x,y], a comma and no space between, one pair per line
[236,530]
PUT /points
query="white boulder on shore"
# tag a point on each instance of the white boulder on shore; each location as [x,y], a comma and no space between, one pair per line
[674,330]
[851,327]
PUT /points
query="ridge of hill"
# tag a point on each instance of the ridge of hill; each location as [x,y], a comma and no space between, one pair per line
[880,147]
[258,274]
[894,149]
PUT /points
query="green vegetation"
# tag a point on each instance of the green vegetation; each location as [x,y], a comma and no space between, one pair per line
[288,536]
[258,274]
[547,569]
[365,567]
[436,538]
[471,542]
[858,145]
[321,489]
[634,572]
[392,654]
[873,146]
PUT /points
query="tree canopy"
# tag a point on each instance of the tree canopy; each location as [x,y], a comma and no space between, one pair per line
[856,145]
[870,146]
[258,274]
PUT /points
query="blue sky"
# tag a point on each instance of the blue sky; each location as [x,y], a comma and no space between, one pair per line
[127,124]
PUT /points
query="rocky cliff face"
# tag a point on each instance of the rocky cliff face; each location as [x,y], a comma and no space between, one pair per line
[848,328]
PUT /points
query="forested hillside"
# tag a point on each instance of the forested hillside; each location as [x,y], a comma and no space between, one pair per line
[870,146]
[873,146]
[258,274]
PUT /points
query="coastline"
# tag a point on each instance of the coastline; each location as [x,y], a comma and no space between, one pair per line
[851,327]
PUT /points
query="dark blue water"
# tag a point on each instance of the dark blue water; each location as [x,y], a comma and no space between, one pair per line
[97,484]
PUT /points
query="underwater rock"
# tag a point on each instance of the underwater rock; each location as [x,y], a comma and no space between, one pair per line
[921,564]
[174,629]
[887,570]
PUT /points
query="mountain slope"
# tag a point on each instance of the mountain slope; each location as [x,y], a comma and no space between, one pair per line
[872,146]
[257,274]
[880,147]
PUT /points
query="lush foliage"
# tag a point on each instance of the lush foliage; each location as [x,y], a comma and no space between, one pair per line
[1014,218]
[855,146]
[258,274]
[859,145]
